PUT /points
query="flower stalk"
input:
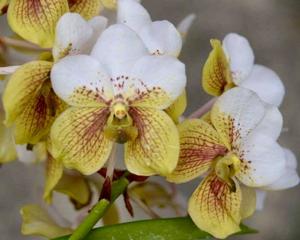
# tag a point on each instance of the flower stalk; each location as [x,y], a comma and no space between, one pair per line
[98,211]
[8,70]
[203,109]
[21,43]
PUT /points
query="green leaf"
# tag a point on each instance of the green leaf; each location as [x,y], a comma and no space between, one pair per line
[158,229]
[246,230]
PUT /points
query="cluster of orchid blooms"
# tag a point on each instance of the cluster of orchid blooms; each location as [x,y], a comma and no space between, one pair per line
[98,85]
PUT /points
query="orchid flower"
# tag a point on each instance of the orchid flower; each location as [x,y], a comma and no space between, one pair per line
[237,153]
[117,94]
[231,64]
[39,26]
[160,38]
[7,146]
[29,100]
[9,151]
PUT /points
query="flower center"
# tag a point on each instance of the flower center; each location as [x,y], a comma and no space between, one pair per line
[119,127]
[227,167]
[119,110]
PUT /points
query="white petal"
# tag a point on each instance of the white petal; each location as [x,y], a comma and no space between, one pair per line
[161,38]
[24,155]
[240,54]
[263,161]
[290,178]
[291,159]
[163,72]
[184,26]
[118,49]
[98,23]
[74,72]
[74,35]
[272,123]
[266,83]
[236,114]
[260,199]
[133,14]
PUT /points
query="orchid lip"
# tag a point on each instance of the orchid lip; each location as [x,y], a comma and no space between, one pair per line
[227,167]
[119,109]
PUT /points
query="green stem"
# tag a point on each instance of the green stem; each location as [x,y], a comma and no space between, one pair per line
[98,211]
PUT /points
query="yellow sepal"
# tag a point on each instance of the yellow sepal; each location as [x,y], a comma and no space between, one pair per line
[7,146]
[216,75]
[199,146]
[76,187]
[206,118]
[178,107]
[110,4]
[248,205]
[112,216]
[30,103]
[86,8]
[154,195]
[215,208]
[35,21]
[36,221]
[78,140]
[156,149]
[54,172]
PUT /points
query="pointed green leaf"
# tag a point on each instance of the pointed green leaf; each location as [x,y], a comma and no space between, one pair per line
[158,229]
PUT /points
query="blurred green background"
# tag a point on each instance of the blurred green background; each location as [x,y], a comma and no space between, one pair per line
[273,29]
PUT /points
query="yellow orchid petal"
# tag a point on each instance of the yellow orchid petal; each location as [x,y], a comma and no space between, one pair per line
[199,146]
[151,193]
[40,151]
[76,188]
[156,149]
[112,216]
[78,139]
[110,4]
[54,172]
[7,145]
[207,118]
[248,205]
[152,98]
[46,56]
[178,107]
[36,221]
[216,76]
[86,8]
[3,6]
[35,21]
[30,103]
[215,208]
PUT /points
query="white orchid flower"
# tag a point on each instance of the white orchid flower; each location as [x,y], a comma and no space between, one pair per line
[160,37]
[118,93]
[238,154]
[75,35]
[289,179]
[231,64]
[29,101]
